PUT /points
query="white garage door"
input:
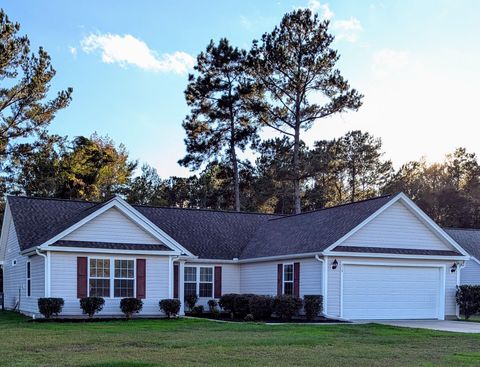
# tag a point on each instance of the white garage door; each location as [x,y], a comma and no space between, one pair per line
[391,292]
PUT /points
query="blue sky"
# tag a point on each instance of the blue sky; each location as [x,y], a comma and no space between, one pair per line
[416,62]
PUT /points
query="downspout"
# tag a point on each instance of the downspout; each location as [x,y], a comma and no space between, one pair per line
[324,279]
[47,271]
[460,267]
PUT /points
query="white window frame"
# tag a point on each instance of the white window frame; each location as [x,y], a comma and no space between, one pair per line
[197,279]
[133,279]
[28,279]
[288,281]
[112,274]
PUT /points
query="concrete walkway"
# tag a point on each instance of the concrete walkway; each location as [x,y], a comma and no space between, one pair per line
[446,325]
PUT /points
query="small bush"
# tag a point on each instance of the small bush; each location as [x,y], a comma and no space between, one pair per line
[191,301]
[286,306]
[241,305]
[227,302]
[91,305]
[468,298]
[213,306]
[313,305]
[129,306]
[261,307]
[170,307]
[50,306]
[198,310]
[249,318]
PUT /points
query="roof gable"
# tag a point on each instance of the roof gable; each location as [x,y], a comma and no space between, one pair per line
[397,227]
[451,245]
[112,226]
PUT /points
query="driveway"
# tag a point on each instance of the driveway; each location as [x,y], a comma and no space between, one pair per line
[446,325]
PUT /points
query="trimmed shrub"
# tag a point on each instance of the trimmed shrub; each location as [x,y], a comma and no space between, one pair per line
[241,305]
[213,306]
[286,306]
[198,310]
[261,307]
[129,306]
[227,302]
[170,306]
[249,318]
[91,305]
[50,306]
[313,305]
[191,301]
[468,298]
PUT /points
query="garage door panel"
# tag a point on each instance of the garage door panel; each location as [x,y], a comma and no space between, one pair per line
[390,292]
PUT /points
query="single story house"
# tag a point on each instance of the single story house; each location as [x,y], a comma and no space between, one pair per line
[381,258]
[469,239]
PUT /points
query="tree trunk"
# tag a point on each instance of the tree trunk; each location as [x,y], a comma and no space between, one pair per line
[233,157]
[296,175]
[236,177]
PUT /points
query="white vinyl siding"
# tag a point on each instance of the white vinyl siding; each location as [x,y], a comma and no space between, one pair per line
[470,274]
[396,227]
[334,281]
[261,277]
[15,276]
[112,226]
[64,283]
[230,279]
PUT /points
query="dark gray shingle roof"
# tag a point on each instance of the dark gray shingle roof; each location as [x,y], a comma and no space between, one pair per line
[469,239]
[206,233]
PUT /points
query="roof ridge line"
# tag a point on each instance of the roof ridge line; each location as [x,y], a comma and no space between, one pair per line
[55,199]
[336,206]
[204,209]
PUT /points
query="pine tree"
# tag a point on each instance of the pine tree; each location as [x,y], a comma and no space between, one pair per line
[219,122]
[289,65]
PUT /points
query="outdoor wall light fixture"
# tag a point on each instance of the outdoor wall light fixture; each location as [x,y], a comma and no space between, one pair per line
[334,264]
[453,269]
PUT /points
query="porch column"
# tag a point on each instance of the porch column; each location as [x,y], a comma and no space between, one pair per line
[181,288]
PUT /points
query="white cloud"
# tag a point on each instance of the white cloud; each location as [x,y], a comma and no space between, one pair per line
[128,50]
[348,29]
[344,29]
[323,9]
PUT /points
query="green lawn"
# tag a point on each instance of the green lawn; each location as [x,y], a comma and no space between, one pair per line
[189,342]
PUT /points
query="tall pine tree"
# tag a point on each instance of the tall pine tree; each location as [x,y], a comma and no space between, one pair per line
[219,122]
[289,65]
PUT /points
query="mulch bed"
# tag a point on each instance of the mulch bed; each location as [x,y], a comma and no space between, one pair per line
[272,320]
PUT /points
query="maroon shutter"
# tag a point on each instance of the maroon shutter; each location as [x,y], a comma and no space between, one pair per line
[141,278]
[218,282]
[296,279]
[279,279]
[175,280]
[81,277]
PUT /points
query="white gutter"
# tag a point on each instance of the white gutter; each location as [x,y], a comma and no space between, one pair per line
[46,272]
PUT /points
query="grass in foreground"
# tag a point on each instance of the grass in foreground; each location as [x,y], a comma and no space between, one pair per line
[190,342]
